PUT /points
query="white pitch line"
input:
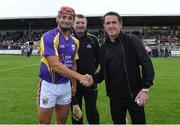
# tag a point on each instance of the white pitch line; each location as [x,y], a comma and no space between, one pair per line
[19,67]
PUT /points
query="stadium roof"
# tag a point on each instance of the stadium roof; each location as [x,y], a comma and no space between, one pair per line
[93,22]
[40,14]
[17,9]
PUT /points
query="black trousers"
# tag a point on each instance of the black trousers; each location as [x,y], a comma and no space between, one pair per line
[119,108]
[90,97]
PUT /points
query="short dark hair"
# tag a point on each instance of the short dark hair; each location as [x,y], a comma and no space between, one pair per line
[80,16]
[114,14]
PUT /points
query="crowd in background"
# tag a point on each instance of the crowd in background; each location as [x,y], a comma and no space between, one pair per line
[163,42]
[16,39]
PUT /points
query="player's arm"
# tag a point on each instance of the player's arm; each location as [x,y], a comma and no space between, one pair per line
[61,69]
[73,80]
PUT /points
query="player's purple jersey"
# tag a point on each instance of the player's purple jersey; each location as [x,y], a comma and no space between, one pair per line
[53,43]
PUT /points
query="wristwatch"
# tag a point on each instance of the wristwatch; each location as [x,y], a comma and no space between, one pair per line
[145,90]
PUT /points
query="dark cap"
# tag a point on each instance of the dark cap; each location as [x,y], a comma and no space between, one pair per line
[66,10]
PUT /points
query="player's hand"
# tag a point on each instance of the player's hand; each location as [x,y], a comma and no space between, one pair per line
[86,80]
[90,79]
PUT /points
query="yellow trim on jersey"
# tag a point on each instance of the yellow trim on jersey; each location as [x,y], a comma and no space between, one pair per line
[44,60]
[56,43]
[38,89]
[76,57]
[41,46]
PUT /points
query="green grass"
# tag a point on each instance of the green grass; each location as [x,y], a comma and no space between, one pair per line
[18,82]
[164,104]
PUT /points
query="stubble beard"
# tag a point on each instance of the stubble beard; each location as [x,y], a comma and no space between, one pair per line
[65,29]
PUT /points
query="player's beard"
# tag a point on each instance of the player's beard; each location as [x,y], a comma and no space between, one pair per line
[65,29]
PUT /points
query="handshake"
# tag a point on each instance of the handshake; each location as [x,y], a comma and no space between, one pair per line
[86,80]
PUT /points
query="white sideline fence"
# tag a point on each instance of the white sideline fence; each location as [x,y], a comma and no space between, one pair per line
[174,53]
[16,52]
[13,52]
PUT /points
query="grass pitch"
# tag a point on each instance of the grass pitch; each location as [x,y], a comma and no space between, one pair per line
[18,83]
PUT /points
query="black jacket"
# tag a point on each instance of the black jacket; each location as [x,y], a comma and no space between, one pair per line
[138,68]
[88,54]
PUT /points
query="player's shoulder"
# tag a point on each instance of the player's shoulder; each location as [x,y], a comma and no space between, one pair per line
[50,34]
[75,40]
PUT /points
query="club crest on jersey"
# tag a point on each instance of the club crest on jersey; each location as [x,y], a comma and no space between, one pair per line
[45,101]
[89,46]
[73,47]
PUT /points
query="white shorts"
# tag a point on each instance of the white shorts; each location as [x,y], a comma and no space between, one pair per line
[54,94]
